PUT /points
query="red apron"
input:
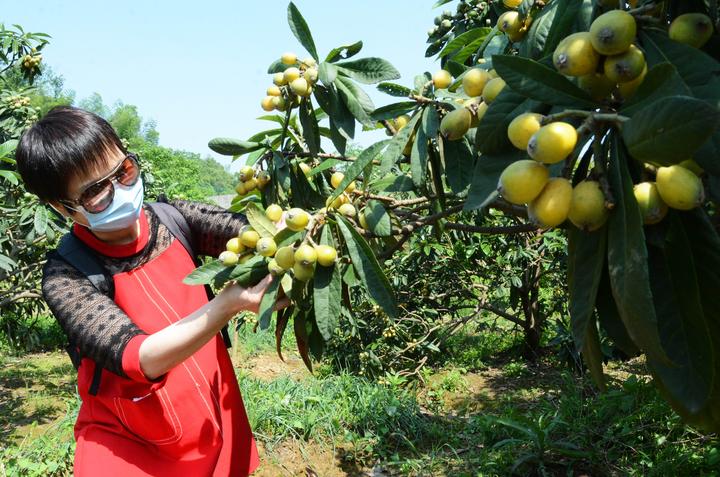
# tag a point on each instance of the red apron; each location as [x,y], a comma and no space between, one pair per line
[192,421]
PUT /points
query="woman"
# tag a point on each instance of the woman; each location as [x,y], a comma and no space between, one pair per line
[167,401]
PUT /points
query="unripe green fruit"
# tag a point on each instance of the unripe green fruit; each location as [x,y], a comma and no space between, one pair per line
[296,219]
[246,173]
[693,29]
[587,210]
[274,91]
[229,259]
[575,55]
[274,212]
[626,66]
[455,124]
[285,257]
[275,269]
[442,79]
[613,32]
[492,89]
[279,79]
[267,103]
[266,247]
[235,246]
[598,86]
[521,129]
[300,86]
[474,81]
[348,210]
[326,255]
[362,220]
[279,103]
[305,255]
[288,58]
[551,207]
[291,74]
[552,143]
[249,238]
[679,187]
[522,181]
[652,207]
[302,272]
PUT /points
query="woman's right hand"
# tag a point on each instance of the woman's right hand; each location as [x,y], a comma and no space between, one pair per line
[248,299]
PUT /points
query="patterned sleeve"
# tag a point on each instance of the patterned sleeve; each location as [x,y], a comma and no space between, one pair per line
[90,319]
[211,226]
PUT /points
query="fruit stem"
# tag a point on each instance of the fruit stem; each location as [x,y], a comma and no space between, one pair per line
[568,113]
[424,100]
[389,126]
[640,10]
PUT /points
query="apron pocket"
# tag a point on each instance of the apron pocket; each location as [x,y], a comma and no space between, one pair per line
[151,417]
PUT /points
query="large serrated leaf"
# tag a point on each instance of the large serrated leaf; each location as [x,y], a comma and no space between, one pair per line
[267,303]
[670,130]
[259,221]
[356,168]
[394,89]
[586,260]
[356,100]
[458,159]
[300,29]
[393,110]
[378,219]
[232,147]
[369,70]
[204,274]
[397,145]
[327,292]
[627,259]
[344,52]
[368,269]
[310,128]
[40,221]
[539,82]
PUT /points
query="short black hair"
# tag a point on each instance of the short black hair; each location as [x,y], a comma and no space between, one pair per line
[67,142]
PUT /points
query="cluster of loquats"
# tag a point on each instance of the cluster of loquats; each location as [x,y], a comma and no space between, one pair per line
[251,179]
[292,85]
[31,62]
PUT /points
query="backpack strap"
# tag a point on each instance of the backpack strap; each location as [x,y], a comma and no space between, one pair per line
[72,250]
[180,229]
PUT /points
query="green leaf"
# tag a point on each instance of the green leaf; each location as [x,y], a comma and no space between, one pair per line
[41,220]
[397,144]
[301,337]
[245,274]
[627,259]
[394,89]
[300,29]
[392,111]
[699,71]
[393,183]
[610,320]
[8,147]
[369,70]
[256,216]
[463,40]
[458,159]
[356,100]
[267,303]
[327,72]
[378,219]
[10,176]
[344,52]
[204,274]
[592,354]
[661,81]
[684,330]
[325,165]
[327,293]
[539,82]
[670,130]
[277,66]
[310,128]
[286,237]
[585,263]
[419,154]
[367,268]
[232,147]
[356,168]
[485,178]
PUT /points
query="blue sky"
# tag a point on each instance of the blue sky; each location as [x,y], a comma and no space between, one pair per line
[199,67]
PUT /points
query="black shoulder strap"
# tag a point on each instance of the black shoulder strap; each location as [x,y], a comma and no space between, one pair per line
[83,259]
[180,229]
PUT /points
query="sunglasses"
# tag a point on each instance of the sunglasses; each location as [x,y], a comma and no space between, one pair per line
[98,196]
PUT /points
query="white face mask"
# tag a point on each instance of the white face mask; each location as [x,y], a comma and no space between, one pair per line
[122,212]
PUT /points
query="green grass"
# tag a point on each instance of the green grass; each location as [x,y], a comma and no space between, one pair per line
[511,417]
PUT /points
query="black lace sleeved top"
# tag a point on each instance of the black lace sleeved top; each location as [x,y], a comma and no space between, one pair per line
[92,320]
